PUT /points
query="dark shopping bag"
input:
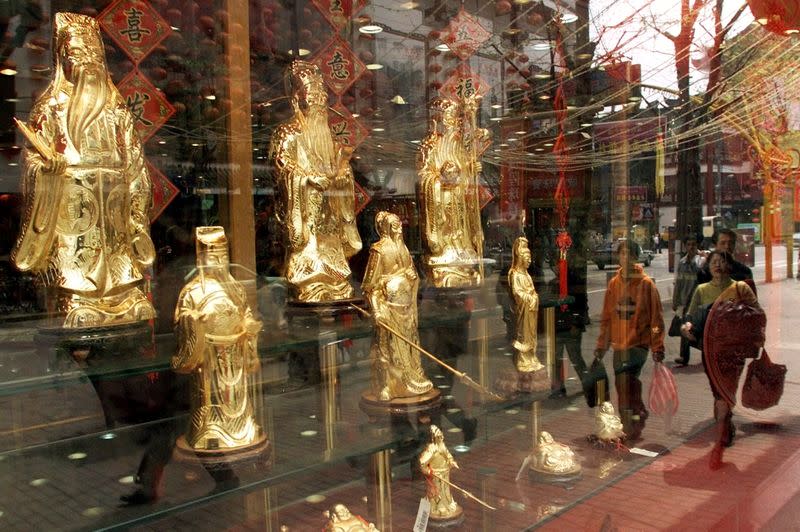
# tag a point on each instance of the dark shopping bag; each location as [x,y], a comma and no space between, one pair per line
[593,379]
[675,326]
[763,385]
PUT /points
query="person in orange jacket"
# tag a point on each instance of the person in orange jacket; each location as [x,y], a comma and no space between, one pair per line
[632,323]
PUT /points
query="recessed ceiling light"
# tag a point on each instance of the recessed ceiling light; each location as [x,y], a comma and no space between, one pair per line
[374,66]
[443,48]
[8,71]
[520,132]
[541,75]
[541,46]
[211,97]
[409,5]
[568,18]
[544,96]
[356,115]
[378,129]
[496,106]
[496,118]
[370,29]
[548,144]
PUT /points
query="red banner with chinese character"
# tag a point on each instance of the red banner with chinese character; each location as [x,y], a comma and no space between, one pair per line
[147,104]
[339,65]
[464,84]
[345,128]
[465,35]
[163,191]
[135,26]
[339,12]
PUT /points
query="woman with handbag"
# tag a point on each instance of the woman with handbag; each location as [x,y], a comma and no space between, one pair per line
[725,316]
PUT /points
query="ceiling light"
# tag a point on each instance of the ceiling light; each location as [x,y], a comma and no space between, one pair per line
[544,96]
[399,100]
[541,46]
[409,5]
[520,132]
[496,118]
[211,97]
[539,149]
[548,144]
[301,52]
[162,142]
[503,145]
[762,21]
[443,48]
[791,31]
[415,141]
[12,100]
[370,29]
[568,18]
[497,106]
[541,75]
[378,129]
[374,66]
[586,124]
[356,115]
[8,71]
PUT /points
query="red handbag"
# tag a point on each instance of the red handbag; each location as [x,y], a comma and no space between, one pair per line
[763,385]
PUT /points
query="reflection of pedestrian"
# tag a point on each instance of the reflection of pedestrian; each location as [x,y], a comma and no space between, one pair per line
[657,243]
[631,323]
[570,325]
[685,282]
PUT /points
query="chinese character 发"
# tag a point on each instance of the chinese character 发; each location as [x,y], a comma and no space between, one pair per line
[339,66]
[134,31]
[135,103]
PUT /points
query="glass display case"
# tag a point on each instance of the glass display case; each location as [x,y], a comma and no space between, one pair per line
[310,264]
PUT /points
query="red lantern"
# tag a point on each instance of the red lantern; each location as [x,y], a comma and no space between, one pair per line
[777,16]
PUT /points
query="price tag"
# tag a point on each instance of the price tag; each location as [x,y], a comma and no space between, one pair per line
[421,524]
[643,452]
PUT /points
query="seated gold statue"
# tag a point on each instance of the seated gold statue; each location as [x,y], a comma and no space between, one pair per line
[552,457]
[217,337]
[390,284]
[341,520]
[607,425]
[526,308]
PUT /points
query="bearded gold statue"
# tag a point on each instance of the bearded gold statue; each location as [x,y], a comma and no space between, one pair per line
[217,337]
[390,284]
[526,308]
[85,227]
[317,192]
[553,458]
[435,462]
[341,520]
[449,167]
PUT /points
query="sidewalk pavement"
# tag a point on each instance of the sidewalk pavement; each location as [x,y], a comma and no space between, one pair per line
[758,486]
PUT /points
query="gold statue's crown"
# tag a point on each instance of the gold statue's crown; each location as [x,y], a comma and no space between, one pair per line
[442,104]
[67,24]
[305,71]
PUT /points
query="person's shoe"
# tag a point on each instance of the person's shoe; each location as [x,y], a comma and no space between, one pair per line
[731,434]
[715,460]
[558,394]
[681,362]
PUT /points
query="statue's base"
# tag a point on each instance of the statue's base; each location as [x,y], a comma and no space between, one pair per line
[512,382]
[324,311]
[446,522]
[548,477]
[258,451]
[401,406]
[606,445]
[90,346]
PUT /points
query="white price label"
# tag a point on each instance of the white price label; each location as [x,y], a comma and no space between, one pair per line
[421,524]
[643,452]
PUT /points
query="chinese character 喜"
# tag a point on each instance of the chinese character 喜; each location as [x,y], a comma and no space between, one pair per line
[134,31]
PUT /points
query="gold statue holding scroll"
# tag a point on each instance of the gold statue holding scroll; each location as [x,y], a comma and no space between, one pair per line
[217,338]
[526,307]
[85,227]
[318,198]
[435,462]
[341,520]
[449,168]
[553,458]
[390,285]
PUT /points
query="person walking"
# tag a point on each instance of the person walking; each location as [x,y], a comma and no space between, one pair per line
[726,242]
[657,243]
[685,283]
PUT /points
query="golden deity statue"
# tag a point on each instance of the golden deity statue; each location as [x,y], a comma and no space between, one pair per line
[317,194]
[553,458]
[85,227]
[435,462]
[526,307]
[390,285]
[217,338]
[449,168]
[341,520]
[607,425]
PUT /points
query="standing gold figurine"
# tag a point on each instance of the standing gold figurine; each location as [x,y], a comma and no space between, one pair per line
[341,520]
[553,460]
[85,227]
[526,311]
[435,462]
[390,284]
[318,201]
[449,169]
[217,344]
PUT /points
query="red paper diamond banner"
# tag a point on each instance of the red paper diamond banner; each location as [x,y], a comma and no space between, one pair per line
[163,191]
[345,127]
[339,12]
[484,196]
[135,26]
[465,34]
[339,65]
[147,104]
[362,198]
[464,83]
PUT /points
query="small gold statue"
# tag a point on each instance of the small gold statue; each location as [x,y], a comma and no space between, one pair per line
[217,337]
[341,520]
[553,458]
[607,425]
[526,308]
[390,284]
[85,227]
[435,462]
[317,193]
[449,168]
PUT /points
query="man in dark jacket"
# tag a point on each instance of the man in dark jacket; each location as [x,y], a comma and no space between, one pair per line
[726,241]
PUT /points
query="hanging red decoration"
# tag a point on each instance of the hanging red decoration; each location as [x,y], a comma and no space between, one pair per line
[777,16]
[465,34]
[561,196]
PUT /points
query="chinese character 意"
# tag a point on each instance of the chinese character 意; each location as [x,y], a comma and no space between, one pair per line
[339,66]
[134,31]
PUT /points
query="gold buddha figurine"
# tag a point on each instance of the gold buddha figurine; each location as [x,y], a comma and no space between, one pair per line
[607,425]
[217,337]
[553,458]
[449,168]
[435,462]
[390,285]
[85,227]
[526,308]
[341,520]
[317,195]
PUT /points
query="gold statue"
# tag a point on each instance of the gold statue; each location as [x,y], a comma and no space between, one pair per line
[217,344]
[390,285]
[607,425]
[553,458]
[526,311]
[341,520]
[85,227]
[318,199]
[435,462]
[449,168]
